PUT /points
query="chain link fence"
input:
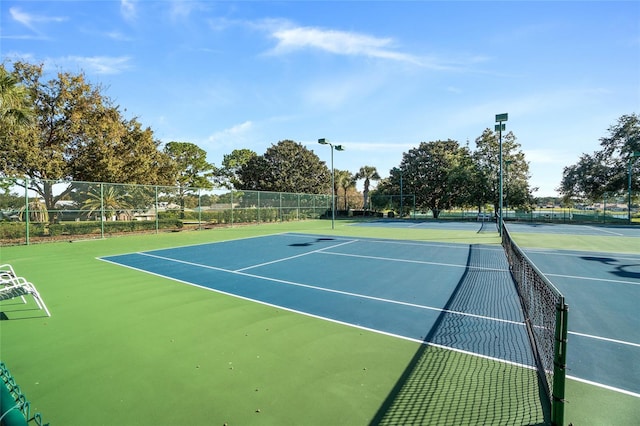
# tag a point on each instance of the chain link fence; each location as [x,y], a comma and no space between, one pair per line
[35,210]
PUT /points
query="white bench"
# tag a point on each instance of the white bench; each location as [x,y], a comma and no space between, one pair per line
[12,286]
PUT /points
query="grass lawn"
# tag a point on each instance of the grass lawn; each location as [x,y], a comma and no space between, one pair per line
[127,348]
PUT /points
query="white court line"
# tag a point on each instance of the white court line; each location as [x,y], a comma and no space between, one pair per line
[355,325]
[593,279]
[296,256]
[606,339]
[604,231]
[422,262]
[328,290]
[600,385]
[456,246]
[373,330]
[576,253]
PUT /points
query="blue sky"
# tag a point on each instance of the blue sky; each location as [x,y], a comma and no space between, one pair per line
[378,77]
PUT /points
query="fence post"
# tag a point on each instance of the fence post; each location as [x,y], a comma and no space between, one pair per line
[199,211]
[102,216]
[156,210]
[26,208]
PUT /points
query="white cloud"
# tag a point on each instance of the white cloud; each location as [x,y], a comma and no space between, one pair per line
[100,64]
[182,9]
[382,147]
[128,9]
[117,36]
[233,136]
[30,20]
[549,156]
[333,93]
[291,38]
[337,42]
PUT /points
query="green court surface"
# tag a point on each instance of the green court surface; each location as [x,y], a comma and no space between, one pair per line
[127,348]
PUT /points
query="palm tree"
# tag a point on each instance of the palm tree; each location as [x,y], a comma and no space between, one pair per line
[37,212]
[368,173]
[13,99]
[346,180]
[109,200]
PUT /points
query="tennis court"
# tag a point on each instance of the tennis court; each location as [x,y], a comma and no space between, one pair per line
[455,297]
[399,288]
[337,334]
[602,290]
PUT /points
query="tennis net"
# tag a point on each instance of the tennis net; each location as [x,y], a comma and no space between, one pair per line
[545,313]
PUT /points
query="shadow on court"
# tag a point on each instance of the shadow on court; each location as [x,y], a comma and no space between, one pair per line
[628,271]
[442,386]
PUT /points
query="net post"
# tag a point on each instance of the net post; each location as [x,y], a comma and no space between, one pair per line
[559,364]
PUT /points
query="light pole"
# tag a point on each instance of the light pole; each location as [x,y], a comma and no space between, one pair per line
[507,163]
[500,118]
[634,155]
[323,141]
[401,197]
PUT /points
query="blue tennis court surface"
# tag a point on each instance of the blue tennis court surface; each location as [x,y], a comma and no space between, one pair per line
[602,291]
[572,229]
[459,296]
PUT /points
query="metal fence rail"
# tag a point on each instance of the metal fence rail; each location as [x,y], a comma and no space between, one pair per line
[33,208]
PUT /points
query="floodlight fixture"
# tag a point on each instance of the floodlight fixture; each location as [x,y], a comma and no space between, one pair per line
[333,147]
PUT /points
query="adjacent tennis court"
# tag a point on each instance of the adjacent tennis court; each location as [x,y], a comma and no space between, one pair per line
[602,290]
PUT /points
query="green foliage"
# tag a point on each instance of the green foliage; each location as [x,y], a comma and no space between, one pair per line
[228,175]
[606,170]
[366,173]
[9,200]
[12,230]
[345,181]
[14,102]
[76,133]
[109,199]
[485,187]
[193,170]
[285,167]
[436,173]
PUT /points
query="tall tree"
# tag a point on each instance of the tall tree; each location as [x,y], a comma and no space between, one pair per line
[14,113]
[77,134]
[390,189]
[14,102]
[587,179]
[344,180]
[485,186]
[606,170]
[437,173]
[227,175]
[108,201]
[368,173]
[287,166]
[193,169]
